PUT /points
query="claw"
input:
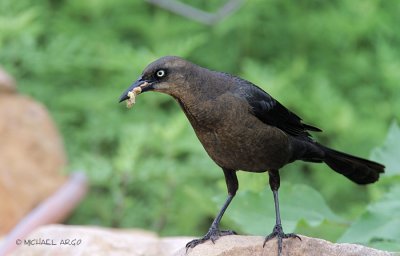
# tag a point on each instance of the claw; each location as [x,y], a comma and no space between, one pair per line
[278,233]
[213,234]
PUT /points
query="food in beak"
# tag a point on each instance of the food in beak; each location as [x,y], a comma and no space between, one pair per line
[132,96]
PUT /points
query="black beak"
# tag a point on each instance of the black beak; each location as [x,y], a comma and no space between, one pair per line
[144,85]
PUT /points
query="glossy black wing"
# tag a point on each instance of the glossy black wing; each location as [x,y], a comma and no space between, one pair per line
[271,112]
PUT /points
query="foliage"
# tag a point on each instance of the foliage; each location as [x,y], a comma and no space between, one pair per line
[335,63]
[389,151]
[379,225]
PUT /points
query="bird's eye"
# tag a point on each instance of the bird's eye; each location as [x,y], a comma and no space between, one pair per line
[160,73]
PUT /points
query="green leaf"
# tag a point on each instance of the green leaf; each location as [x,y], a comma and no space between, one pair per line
[386,245]
[388,153]
[254,212]
[329,230]
[380,222]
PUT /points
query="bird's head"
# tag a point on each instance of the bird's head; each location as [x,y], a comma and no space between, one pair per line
[167,75]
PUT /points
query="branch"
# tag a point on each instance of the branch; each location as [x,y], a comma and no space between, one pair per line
[198,15]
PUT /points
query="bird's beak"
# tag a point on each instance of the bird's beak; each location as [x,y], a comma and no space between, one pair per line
[142,84]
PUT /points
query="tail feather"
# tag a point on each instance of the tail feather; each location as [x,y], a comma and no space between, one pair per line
[359,170]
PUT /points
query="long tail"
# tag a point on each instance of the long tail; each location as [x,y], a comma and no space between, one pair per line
[357,169]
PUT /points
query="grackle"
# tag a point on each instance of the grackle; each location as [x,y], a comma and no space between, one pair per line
[243,128]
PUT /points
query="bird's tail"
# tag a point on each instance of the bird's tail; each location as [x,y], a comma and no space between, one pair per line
[359,170]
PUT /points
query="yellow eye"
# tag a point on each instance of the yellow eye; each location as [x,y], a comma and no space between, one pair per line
[160,73]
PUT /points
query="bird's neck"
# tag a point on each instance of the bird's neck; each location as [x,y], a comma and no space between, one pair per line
[200,111]
[199,100]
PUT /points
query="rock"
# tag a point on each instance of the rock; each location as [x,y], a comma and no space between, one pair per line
[31,157]
[252,245]
[98,241]
[7,83]
[107,241]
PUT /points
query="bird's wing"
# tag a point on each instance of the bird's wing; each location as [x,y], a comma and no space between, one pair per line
[271,112]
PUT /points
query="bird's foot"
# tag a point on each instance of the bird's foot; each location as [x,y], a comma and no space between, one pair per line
[278,233]
[213,234]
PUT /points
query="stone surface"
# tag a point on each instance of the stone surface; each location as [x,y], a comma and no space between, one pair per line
[252,245]
[31,157]
[98,241]
[105,241]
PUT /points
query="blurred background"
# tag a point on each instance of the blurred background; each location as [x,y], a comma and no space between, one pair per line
[334,63]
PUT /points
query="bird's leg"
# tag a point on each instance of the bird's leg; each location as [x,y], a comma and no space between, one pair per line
[274,183]
[214,232]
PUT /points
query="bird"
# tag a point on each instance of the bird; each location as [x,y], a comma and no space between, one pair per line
[243,128]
